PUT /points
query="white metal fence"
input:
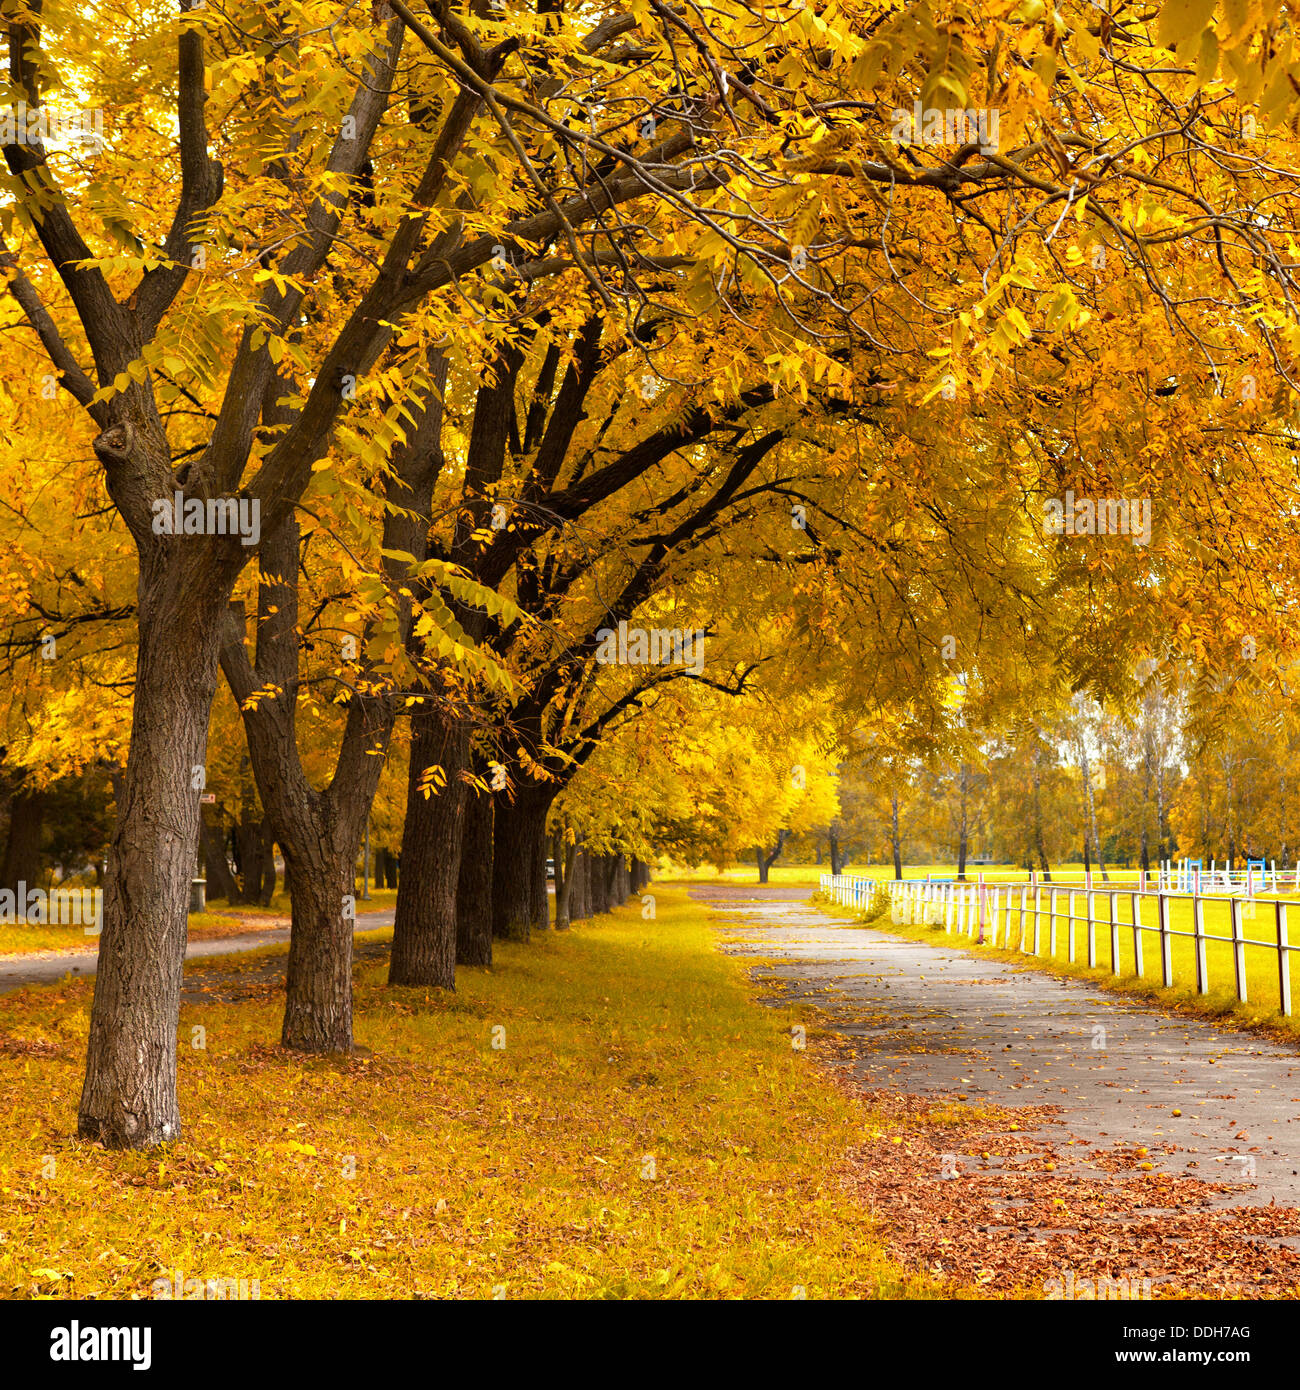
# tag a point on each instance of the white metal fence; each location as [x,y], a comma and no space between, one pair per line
[1027,917]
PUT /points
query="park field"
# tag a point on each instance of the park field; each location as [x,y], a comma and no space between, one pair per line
[780,875]
[799,875]
[643,1129]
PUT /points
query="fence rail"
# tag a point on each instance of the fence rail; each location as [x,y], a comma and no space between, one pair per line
[1030,916]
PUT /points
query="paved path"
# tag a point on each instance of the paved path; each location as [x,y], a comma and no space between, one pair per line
[28,970]
[923,1019]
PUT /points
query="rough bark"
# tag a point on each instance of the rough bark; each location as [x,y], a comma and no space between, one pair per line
[474,884]
[425,924]
[566,859]
[518,866]
[128,1098]
[266,890]
[22,858]
[766,858]
[580,893]
[222,883]
[599,882]
[320,832]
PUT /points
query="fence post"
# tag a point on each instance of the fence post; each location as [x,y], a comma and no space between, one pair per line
[1238,950]
[1283,963]
[1114,932]
[1038,936]
[1070,927]
[1136,904]
[1198,930]
[1092,926]
[1024,902]
[1051,922]
[1166,941]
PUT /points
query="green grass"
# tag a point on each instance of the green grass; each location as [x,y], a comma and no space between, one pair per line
[439,1166]
[1119,969]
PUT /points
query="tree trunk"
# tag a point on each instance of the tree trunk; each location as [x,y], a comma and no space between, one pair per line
[564,872]
[621,879]
[964,784]
[1039,846]
[425,927]
[221,882]
[580,900]
[318,983]
[250,848]
[1162,827]
[474,885]
[1146,812]
[22,860]
[518,855]
[765,860]
[599,885]
[1090,806]
[836,867]
[612,899]
[319,832]
[1232,819]
[267,889]
[540,898]
[894,835]
[128,1099]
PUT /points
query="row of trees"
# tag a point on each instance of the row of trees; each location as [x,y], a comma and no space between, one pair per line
[1185,770]
[515,332]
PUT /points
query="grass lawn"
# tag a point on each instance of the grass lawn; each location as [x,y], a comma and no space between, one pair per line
[647,1130]
[1258,930]
[799,875]
[780,875]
